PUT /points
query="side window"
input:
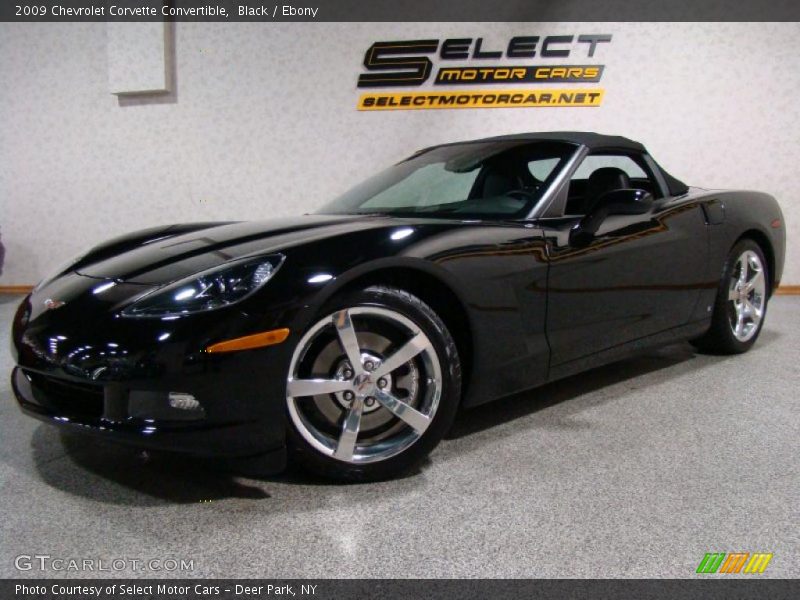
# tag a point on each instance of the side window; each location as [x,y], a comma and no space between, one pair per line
[542,167]
[598,161]
[618,170]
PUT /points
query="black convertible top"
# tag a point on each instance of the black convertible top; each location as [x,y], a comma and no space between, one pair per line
[584,138]
[592,141]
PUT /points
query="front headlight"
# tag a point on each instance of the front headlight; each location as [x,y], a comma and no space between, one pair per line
[209,290]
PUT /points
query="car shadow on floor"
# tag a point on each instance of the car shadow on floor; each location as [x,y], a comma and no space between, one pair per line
[584,390]
[119,474]
[580,388]
[108,472]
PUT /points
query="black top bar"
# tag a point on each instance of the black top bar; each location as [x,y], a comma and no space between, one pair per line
[535,11]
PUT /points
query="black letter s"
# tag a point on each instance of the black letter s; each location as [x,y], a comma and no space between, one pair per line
[408,70]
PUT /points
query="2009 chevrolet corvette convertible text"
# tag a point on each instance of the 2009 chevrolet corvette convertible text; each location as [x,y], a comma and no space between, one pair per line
[350,337]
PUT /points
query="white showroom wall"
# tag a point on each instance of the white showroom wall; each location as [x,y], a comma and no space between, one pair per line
[263,122]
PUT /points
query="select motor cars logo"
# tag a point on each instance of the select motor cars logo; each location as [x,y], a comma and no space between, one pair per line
[410,63]
[734,562]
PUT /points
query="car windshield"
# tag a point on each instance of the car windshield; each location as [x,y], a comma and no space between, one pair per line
[500,179]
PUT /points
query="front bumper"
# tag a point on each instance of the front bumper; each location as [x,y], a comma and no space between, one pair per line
[115,378]
[88,415]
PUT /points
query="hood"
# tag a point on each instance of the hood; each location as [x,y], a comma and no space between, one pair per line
[164,260]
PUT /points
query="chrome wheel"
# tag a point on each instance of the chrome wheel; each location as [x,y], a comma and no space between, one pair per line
[746,295]
[364,384]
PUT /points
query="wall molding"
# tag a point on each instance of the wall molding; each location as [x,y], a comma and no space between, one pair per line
[788,290]
[15,289]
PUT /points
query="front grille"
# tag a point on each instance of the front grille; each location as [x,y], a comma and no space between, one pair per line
[66,398]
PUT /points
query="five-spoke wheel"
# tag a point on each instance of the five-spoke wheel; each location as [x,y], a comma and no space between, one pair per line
[741,303]
[747,295]
[366,382]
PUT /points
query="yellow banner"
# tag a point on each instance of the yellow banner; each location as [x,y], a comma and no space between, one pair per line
[515,98]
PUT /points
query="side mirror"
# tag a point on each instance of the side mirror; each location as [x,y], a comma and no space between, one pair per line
[615,202]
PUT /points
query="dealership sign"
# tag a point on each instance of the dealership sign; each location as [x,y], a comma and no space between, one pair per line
[525,62]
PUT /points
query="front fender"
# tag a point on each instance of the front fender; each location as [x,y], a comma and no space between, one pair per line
[313,305]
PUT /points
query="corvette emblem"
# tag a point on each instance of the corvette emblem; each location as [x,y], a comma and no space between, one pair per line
[51,304]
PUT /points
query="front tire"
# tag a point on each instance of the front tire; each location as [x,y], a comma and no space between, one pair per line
[741,303]
[373,386]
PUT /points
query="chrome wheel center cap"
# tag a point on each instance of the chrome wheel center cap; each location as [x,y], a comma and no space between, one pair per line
[363,384]
[742,294]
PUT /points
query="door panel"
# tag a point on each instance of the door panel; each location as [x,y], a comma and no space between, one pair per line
[502,269]
[639,275]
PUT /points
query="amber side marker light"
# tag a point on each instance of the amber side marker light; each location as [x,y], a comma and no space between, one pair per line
[248,342]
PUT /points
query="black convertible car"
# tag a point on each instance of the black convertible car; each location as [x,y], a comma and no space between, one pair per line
[347,339]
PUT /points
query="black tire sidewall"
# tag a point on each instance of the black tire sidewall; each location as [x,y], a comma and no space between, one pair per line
[429,322]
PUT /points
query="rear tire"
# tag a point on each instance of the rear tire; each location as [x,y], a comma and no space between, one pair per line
[384,416]
[741,303]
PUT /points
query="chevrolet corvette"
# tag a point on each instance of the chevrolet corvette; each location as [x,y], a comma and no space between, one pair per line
[345,341]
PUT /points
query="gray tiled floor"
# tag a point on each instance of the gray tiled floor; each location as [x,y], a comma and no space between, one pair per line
[634,470]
